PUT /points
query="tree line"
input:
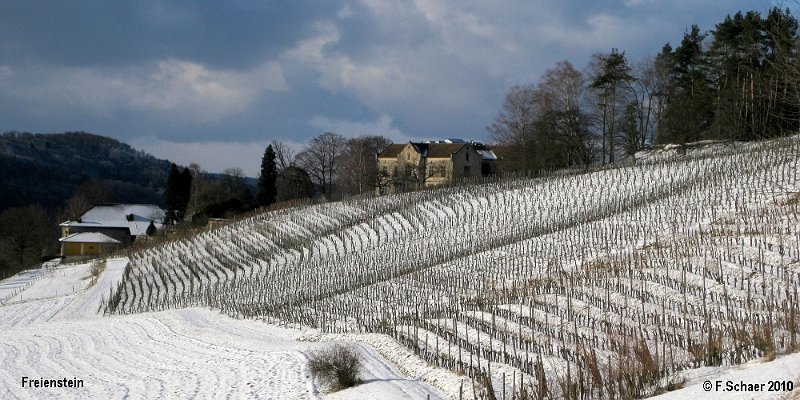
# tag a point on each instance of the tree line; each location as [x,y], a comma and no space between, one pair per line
[740,81]
[329,166]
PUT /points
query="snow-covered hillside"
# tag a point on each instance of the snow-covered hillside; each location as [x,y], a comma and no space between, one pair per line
[596,284]
[52,330]
[620,282]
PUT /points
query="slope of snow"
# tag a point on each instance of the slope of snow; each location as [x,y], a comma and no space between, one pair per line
[187,353]
[54,282]
[12,286]
[783,369]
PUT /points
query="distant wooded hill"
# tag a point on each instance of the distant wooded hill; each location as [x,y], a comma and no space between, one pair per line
[45,169]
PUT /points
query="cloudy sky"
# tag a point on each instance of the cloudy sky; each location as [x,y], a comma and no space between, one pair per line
[214,82]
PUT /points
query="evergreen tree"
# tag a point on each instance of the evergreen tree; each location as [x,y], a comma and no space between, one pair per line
[151,229]
[614,73]
[267,180]
[177,193]
[172,193]
[186,188]
[689,112]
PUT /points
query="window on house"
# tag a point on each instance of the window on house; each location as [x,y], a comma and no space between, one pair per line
[467,154]
[466,170]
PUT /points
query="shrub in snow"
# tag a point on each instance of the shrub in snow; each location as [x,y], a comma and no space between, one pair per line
[336,367]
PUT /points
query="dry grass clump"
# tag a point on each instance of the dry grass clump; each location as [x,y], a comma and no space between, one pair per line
[336,367]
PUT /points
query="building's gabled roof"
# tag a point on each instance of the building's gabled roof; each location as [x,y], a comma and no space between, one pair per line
[391,151]
[88,237]
[134,217]
[437,149]
[421,148]
[443,150]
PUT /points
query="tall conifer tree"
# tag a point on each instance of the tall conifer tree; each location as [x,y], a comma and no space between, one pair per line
[267,179]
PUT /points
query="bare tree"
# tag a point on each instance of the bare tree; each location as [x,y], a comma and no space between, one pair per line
[86,195]
[642,112]
[563,122]
[515,125]
[284,155]
[234,183]
[200,184]
[321,159]
[24,233]
[359,169]
[546,125]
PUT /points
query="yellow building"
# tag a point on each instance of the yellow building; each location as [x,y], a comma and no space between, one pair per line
[104,227]
[86,244]
[417,165]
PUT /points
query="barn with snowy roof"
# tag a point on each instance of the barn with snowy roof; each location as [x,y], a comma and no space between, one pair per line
[106,226]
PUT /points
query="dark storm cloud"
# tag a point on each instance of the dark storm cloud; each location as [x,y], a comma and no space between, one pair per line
[233,34]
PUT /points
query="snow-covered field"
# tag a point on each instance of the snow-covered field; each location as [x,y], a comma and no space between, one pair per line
[620,282]
[47,332]
[600,283]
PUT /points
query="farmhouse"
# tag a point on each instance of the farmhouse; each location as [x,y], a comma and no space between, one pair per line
[416,165]
[87,244]
[107,226]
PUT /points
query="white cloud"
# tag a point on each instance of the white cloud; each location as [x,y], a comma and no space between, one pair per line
[371,80]
[634,3]
[345,12]
[6,73]
[419,83]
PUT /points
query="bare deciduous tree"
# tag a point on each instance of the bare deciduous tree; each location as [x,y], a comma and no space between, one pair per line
[515,124]
[321,159]
[284,155]
[546,125]
[24,233]
[85,196]
[359,169]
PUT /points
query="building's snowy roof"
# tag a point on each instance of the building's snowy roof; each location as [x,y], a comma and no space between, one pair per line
[88,237]
[135,217]
[487,154]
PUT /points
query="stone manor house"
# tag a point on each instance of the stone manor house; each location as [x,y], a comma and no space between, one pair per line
[417,165]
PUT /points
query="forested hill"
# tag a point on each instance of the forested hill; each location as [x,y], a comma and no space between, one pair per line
[46,169]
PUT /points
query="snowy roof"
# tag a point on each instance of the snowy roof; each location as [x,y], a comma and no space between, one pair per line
[88,237]
[135,217]
[487,154]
